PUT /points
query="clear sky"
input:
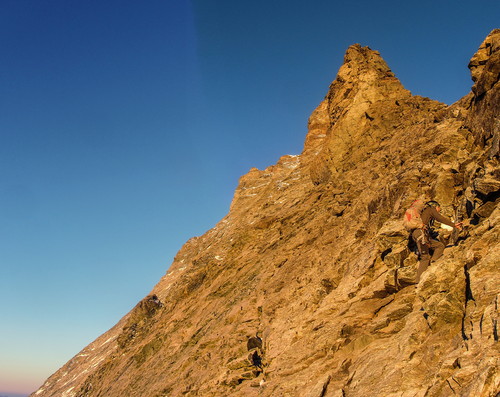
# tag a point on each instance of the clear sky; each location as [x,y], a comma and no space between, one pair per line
[125,125]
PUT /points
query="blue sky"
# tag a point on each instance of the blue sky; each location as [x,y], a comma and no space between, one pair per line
[125,125]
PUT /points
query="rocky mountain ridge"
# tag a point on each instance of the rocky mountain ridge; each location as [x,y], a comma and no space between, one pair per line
[306,287]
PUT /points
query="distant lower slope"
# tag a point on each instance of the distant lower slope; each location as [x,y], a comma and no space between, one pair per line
[305,287]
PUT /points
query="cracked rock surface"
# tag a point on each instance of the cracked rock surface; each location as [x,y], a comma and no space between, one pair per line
[306,287]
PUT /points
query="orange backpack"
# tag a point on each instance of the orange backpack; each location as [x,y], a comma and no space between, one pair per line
[412,219]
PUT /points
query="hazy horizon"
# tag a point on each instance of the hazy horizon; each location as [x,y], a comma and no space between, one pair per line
[7,394]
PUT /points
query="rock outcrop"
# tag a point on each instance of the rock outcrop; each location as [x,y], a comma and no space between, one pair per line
[306,287]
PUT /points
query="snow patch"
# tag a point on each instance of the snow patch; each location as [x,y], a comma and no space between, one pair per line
[282,185]
[291,161]
[291,166]
[255,187]
[67,392]
[97,363]
[107,341]
[61,377]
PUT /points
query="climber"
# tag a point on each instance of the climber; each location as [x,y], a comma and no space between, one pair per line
[425,239]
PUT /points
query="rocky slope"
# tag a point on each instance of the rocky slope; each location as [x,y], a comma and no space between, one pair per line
[305,287]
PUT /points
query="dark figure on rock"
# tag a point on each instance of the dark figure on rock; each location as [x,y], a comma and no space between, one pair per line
[418,220]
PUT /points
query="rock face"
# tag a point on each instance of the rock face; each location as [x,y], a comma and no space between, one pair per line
[306,287]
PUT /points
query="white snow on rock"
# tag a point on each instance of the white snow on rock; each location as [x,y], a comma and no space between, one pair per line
[68,393]
[107,341]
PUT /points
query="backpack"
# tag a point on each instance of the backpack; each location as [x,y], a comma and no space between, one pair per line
[412,219]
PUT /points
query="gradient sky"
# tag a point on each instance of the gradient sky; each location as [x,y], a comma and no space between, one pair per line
[125,125]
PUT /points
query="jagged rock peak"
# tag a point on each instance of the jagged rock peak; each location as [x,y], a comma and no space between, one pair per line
[363,82]
[360,60]
[484,61]
[364,70]
[365,104]
[483,116]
